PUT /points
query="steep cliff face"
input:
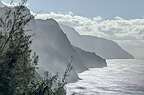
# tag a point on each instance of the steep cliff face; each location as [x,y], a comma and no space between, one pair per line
[55,50]
[102,47]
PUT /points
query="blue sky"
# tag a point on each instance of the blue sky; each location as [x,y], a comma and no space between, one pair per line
[91,8]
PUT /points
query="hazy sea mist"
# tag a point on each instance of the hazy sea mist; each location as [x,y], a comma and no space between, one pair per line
[121,77]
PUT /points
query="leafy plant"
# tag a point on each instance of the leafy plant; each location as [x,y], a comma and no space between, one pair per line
[17,65]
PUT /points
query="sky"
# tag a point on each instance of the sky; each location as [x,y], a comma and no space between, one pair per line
[119,20]
[110,19]
[91,8]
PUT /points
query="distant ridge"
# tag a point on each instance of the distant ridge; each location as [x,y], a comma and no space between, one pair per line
[107,49]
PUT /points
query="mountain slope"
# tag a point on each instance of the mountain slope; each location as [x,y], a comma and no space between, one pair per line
[55,50]
[102,47]
[135,47]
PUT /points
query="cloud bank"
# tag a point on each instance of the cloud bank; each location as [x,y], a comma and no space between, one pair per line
[115,29]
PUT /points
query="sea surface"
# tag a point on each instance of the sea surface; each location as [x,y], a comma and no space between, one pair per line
[120,77]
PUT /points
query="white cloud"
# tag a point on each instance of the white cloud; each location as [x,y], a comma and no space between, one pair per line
[116,28]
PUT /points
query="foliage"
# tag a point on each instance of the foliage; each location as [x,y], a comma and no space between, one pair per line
[51,85]
[17,65]
[17,68]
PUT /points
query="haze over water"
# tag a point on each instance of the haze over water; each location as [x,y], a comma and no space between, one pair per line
[120,77]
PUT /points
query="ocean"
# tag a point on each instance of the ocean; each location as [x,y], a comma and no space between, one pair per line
[120,77]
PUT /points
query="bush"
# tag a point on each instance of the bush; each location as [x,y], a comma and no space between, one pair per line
[17,65]
[51,85]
